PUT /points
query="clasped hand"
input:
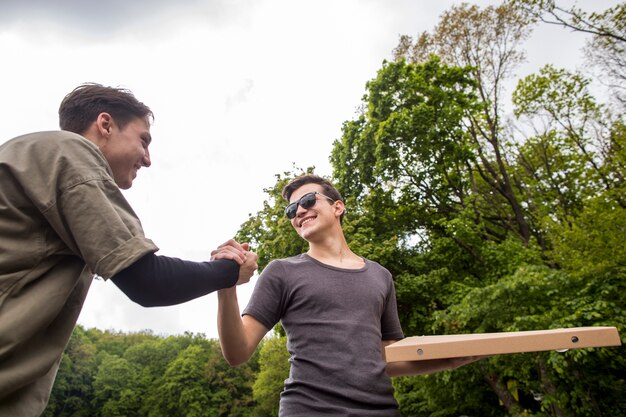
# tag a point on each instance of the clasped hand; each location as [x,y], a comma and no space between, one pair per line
[239,253]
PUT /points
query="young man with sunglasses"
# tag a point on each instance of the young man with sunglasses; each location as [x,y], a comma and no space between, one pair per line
[63,220]
[337,308]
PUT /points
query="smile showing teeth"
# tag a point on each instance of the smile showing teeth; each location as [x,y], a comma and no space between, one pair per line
[306,221]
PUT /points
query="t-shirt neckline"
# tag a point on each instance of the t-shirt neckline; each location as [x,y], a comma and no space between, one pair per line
[336,268]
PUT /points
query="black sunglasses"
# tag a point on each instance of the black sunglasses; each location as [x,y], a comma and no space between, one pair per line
[306,202]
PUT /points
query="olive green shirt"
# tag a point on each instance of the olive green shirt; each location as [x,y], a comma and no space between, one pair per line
[62,221]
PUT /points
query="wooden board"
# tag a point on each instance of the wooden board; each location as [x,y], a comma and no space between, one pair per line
[417,348]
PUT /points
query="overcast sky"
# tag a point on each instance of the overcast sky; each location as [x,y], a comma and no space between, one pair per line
[241,90]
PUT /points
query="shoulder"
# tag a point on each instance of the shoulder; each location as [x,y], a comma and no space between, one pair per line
[50,147]
[49,139]
[285,269]
[277,266]
[375,265]
[376,268]
[50,163]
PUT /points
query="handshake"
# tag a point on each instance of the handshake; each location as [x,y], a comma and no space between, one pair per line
[241,254]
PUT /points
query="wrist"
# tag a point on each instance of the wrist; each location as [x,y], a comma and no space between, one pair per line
[227,293]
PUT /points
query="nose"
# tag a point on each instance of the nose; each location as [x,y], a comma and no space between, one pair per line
[146,158]
[301,210]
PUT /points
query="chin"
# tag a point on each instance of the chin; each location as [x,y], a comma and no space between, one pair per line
[306,234]
[124,185]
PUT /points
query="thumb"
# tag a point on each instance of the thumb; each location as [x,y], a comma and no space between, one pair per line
[245,246]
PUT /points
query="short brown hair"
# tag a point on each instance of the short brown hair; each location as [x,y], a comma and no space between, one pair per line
[327,186]
[80,108]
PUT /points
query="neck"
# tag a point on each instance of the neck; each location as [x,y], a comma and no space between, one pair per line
[336,253]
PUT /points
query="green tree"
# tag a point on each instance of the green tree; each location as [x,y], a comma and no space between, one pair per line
[592,254]
[73,391]
[274,369]
[230,388]
[184,389]
[139,374]
[152,358]
[114,387]
[488,41]
[607,47]
[572,131]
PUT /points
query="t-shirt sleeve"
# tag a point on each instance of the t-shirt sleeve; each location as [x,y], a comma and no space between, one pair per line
[390,323]
[268,299]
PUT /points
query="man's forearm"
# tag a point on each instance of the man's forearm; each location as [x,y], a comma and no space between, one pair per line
[230,328]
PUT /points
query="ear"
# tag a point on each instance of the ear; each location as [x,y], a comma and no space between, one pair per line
[340,208]
[104,124]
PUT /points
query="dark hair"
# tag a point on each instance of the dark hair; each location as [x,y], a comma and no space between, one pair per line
[329,189]
[80,108]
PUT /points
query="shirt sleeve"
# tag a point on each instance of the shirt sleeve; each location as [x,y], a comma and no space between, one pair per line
[268,299]
[390,323]
[161,281]
[103,227]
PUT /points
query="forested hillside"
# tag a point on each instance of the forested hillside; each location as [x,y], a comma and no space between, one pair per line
[105,373]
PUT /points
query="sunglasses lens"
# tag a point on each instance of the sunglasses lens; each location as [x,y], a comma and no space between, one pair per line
[291,210]
[308,200]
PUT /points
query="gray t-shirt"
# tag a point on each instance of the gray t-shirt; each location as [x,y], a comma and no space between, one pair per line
[335,320]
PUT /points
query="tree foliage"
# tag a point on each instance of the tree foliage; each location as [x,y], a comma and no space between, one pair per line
[606,49]
[274,369]
[139,374]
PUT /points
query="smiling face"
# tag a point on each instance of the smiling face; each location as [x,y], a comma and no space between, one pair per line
[126,150]
[318,220]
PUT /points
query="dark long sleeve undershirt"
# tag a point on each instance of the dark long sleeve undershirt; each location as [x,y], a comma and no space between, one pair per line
[161,281]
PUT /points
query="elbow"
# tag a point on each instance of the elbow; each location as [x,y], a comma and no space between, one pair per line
[141,296]
[145,301]
[154,299]
[148,304]
[235,360]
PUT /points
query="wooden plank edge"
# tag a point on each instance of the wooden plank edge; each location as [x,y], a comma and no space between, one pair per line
[477,344]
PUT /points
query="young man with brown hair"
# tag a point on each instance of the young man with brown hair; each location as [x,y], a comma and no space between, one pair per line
[63,219]
[338,310]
